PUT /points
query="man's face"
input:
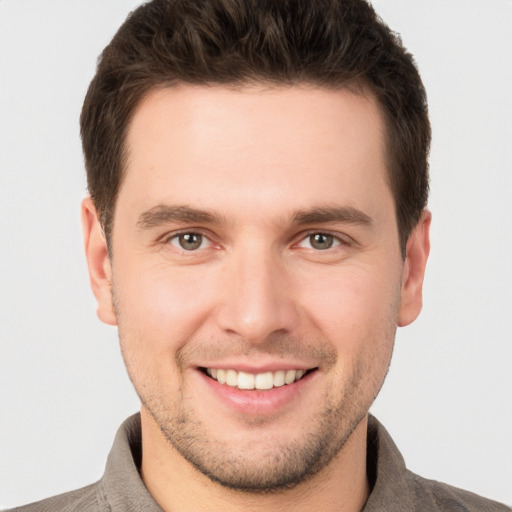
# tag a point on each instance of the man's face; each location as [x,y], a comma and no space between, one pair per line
[255,242]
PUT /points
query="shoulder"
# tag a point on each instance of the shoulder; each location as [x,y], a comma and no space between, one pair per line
[397,489]
[86,499]
[441,497]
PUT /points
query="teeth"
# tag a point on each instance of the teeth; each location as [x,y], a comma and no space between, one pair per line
[266,380]
[221,376]
[231,378]
[290,376]
[245,380]
[279,378]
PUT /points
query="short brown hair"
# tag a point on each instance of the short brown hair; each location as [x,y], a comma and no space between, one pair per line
[329,43]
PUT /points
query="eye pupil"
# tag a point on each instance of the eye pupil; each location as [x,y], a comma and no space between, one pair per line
[190,241]
[321,241]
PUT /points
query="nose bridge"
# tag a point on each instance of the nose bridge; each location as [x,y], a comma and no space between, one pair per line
[257,295]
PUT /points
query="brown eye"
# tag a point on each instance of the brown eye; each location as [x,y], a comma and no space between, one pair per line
[188,241]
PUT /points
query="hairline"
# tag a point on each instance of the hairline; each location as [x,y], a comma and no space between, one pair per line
[357,86]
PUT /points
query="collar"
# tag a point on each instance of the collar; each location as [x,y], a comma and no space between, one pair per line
[123,489]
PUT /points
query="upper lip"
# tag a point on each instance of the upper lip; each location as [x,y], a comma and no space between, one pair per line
[251,367]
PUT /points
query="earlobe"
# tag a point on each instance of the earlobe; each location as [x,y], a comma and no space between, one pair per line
[98,261]
[418,248]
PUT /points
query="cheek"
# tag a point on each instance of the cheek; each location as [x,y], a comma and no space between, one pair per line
[357,314]
[157,313]
[160,307]
[353,302]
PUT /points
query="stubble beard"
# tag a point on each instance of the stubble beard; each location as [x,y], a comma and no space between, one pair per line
[252,468]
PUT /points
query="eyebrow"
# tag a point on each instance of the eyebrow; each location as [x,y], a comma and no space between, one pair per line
[164,214]
[321,215]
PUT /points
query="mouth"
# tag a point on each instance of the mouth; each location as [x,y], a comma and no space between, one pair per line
[256,381]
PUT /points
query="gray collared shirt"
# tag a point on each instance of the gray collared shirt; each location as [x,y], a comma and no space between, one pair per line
[394,487]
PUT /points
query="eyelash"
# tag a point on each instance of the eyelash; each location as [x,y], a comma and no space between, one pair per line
[175,236]
[337,240]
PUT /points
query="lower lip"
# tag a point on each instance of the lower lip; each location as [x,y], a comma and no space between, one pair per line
[255,402]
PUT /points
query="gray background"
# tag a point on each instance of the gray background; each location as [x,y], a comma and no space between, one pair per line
[63,388]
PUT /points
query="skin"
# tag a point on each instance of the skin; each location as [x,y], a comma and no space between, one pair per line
[271,167]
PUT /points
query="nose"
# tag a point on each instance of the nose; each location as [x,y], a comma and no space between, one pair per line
[257,296]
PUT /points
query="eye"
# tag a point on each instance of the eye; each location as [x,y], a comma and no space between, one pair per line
[189,241]
[320,241]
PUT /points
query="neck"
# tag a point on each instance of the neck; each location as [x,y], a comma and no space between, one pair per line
[178,487]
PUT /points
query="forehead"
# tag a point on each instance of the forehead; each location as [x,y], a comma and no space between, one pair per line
[276,147]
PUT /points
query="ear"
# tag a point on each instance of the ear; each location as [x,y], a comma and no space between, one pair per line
[98,261]
[418,248]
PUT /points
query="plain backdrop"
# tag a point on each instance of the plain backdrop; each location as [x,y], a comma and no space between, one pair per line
[63,389]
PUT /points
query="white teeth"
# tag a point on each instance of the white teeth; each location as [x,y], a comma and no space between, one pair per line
[221,376]
[279,378]
[231,378]
[290,376]
[262,381]
[245,380]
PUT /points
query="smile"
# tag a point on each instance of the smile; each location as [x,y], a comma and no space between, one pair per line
[259,381]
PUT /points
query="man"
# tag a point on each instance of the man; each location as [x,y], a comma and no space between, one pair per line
[257,230]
